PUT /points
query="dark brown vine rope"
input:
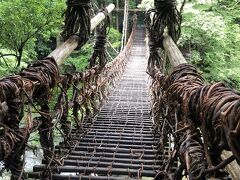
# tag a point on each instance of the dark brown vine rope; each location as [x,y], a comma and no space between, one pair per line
[166,16]
[190,104]
[36,80]
[10,98]
[202,119]
[11,136]
[99,56]
[77,20]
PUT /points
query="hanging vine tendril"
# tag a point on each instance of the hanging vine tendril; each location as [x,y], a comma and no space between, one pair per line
[166,16]
[99,55]
[77,20]
[154,61]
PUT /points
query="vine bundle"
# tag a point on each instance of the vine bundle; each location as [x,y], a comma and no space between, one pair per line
[34,84]
[78,20]
[99,56]
[187,106]
[164,19]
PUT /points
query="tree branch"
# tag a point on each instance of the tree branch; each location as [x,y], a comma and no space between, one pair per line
[182,6]
[4,55]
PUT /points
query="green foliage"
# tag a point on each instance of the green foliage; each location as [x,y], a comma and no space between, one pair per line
[78,60]
[132,4]
[212,36]
[114,37]
[22,21]
[146,4]
[28,30]
[8,67]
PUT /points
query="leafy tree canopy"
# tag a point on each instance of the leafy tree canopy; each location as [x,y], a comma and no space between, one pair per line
[21,21]
[146,4]
[211,36]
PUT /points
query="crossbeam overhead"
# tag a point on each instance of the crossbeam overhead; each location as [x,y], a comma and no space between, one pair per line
[130,10]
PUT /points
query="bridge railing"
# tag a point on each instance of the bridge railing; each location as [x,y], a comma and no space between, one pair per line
[25,100]
[201,121]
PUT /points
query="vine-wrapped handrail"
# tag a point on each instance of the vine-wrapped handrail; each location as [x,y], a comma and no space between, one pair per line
[32,89]
[185,103]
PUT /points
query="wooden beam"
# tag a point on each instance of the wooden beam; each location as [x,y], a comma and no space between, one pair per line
[117,15]
[233,168]
[174,54]
[130,10]
[65,49]
[125,25]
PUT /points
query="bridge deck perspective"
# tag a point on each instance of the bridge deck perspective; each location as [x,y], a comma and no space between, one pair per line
[120,143]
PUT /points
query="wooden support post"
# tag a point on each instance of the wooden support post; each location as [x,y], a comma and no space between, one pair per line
[126,27]
[65,49]
[233,168]
[117,15]
[174,54]
[125,24]
[130,10]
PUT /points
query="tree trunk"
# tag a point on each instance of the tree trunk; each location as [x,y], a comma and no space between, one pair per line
[117,15]
[19,57]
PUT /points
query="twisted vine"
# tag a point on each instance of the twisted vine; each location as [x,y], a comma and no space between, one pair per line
[77,20]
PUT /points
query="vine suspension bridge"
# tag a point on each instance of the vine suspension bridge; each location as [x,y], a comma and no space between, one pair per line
[120,140]
[123,119]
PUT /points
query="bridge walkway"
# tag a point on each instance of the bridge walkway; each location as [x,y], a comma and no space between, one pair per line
[120,143]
